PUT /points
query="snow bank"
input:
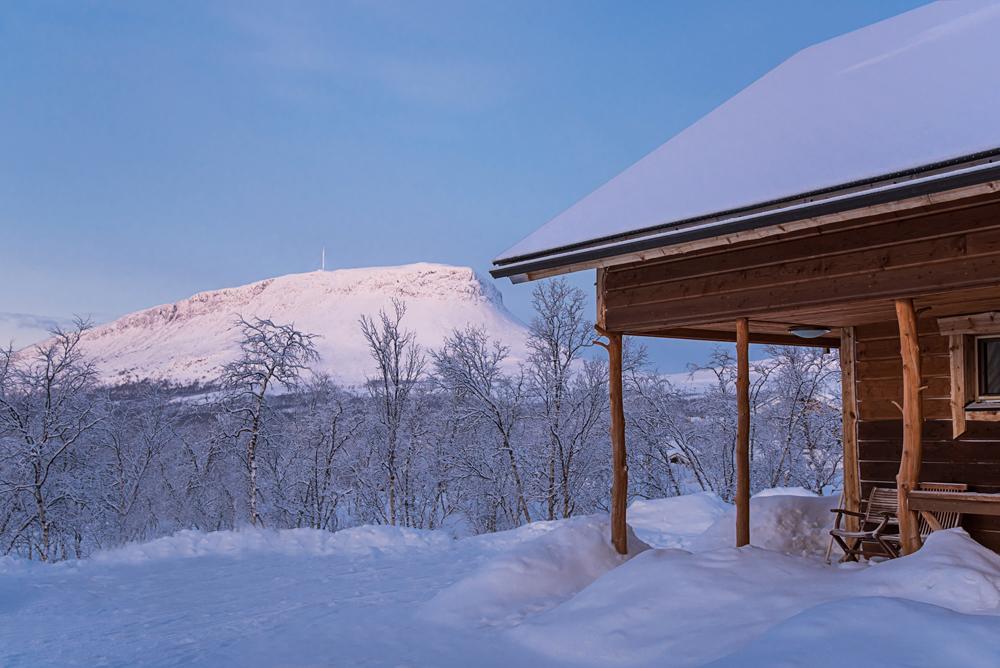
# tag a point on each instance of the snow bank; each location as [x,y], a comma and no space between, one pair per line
[290,542]
[951,570]
[675,521]
[783,491]
[688,609]
[792,524]
[881,632]
[532,575]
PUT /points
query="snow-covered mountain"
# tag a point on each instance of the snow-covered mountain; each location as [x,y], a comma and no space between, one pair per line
[190,340]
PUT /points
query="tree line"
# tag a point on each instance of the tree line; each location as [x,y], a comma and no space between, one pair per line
[457,437]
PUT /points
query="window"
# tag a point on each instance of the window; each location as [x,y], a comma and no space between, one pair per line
[974,343]
[988,368]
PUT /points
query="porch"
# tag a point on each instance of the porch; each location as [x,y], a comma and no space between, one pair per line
[908,294]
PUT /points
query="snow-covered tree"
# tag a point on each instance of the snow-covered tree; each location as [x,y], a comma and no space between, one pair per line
[48,404]
[559,332]
[469,366]
[399,364]
[272,356]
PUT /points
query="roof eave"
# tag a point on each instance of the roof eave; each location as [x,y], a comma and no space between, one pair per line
[975,172]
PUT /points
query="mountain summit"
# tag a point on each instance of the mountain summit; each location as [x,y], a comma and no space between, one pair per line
[189,341]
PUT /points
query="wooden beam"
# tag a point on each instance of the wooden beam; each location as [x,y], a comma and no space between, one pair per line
[910,460]
[977,323]
[619,462]
[852,473]
[742,432]
[696,334]
[912,281]
[883,240]
[847,254]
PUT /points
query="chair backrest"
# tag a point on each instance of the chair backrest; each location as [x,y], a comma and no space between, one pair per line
[946,520]
[883,500]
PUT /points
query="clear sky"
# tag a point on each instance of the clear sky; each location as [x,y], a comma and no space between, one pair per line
[152,150]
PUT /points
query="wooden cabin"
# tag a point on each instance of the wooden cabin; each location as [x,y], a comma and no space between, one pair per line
[848,199]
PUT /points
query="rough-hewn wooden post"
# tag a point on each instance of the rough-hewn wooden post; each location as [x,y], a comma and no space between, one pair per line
[742,432]
[852,477]
[909,462]
[619,464]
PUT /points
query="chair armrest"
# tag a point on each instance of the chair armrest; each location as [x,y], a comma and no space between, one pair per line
[840,516]
[886,519]
[846,512]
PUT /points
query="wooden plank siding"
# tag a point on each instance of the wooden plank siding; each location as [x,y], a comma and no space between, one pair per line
[973,459]
[940,252]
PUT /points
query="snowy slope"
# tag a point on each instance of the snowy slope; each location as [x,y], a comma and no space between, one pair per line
[188,341]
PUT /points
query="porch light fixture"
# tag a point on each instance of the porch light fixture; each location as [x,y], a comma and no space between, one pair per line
[808,331]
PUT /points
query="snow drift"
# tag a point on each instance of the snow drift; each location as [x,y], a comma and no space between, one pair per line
[533,575]
[190,340]
[686,609]
[678,520]
[796,523]
[290,542]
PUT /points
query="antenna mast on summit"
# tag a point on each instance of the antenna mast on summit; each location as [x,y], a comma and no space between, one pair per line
[322,260]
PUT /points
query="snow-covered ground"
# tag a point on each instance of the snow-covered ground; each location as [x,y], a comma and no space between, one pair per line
[548,594]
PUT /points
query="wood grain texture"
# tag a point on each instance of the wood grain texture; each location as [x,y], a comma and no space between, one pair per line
[619,461]
[825,273]
[743,432]
[910,460]
[852,474]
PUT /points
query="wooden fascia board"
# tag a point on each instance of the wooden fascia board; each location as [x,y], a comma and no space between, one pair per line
[931,199]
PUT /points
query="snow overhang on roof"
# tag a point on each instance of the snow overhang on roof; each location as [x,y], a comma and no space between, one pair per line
[900,108]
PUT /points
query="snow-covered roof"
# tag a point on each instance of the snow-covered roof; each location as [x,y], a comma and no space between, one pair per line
[920,89]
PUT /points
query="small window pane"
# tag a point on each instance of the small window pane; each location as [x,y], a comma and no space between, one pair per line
[989,367]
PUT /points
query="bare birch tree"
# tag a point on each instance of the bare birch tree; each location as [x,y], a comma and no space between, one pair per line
[271,356]
[399,364]
[47,405]
[558,334]
[469,366]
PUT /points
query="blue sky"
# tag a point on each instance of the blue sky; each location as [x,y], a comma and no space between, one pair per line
[152,150]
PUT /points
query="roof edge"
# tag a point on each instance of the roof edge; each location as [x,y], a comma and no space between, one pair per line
[937,177]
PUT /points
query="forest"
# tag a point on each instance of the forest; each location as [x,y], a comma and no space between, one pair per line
[456,438]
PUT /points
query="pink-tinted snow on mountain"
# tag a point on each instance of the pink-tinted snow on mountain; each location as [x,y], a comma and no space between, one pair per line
[190,340]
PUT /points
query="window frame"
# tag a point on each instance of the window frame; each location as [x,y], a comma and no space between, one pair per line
[964,333]
[979,396]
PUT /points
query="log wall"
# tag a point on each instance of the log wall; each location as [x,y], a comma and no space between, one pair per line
[856,268]
[974,458]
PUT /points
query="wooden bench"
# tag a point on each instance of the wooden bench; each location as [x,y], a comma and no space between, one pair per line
[967,503]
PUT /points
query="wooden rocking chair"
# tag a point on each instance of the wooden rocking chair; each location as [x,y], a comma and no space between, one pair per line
[879,523]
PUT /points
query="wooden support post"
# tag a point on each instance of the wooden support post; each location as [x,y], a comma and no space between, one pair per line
[743,432]
[852,473]
[910,460]
[619,464]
